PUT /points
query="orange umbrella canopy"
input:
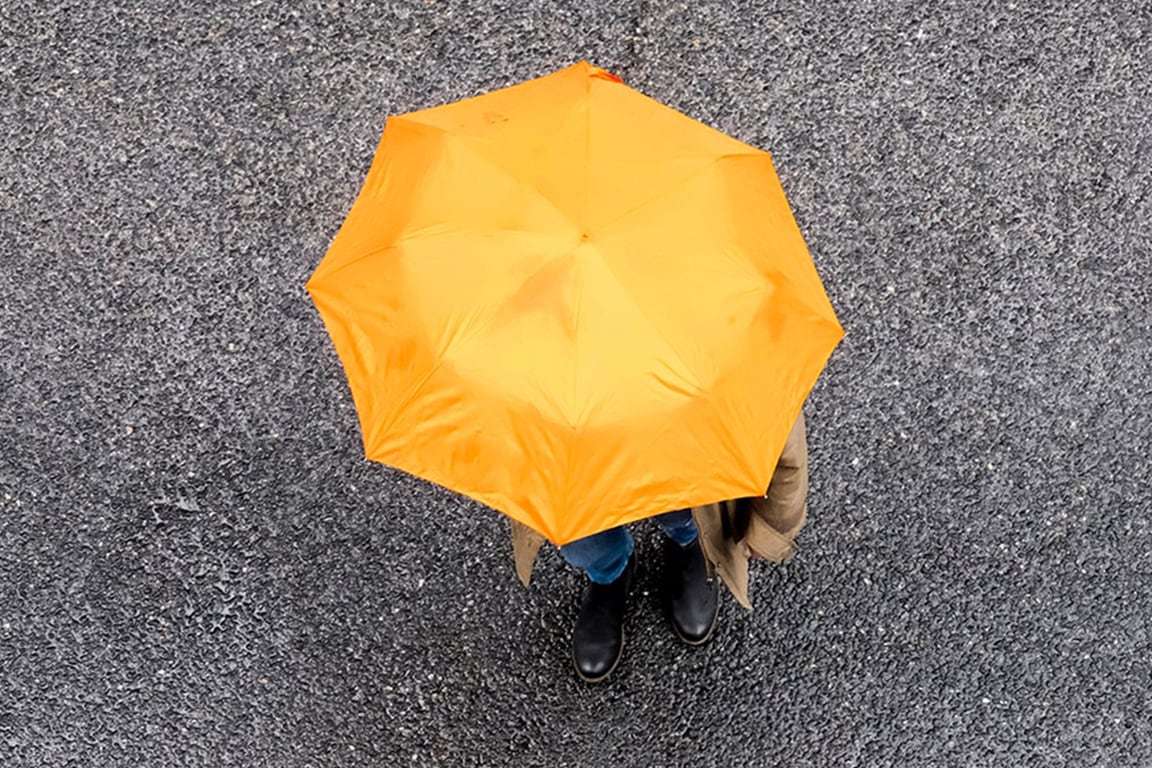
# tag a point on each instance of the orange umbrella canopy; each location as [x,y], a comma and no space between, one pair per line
[575,305]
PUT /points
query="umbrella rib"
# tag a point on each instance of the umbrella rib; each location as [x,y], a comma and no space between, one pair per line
[663,193]
[465,140]
[577,305]
[410,396]
[648,319]
[798,282]
[420,234]
[467,143]
[317,279]
[587,152]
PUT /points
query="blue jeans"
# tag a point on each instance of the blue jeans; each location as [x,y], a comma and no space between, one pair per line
[604,556]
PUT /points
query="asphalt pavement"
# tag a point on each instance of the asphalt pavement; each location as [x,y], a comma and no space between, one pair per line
[198,567]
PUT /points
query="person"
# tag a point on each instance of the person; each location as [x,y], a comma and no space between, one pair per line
[702,545]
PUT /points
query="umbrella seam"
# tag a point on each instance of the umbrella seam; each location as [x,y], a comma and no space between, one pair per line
[517,179]
[410,396]
[318,280]
[663,193]
[797,288]
[647,318]
[320,272]
[419,234]
[460,139]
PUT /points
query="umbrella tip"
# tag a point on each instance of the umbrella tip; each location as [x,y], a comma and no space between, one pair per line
[596,73]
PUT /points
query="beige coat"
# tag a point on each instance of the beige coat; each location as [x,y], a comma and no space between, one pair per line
[732,531]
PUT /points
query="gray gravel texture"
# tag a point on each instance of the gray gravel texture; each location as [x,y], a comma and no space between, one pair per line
[198,568]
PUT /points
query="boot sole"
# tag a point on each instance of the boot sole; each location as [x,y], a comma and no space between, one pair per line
[611,669]
[707,635]
[701,641]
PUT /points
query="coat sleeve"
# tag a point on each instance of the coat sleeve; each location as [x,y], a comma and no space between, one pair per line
[732,531]
[526,544]
[777,518]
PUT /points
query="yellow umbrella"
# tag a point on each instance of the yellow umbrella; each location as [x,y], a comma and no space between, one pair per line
[575,305]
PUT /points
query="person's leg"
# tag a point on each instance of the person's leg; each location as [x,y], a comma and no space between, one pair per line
[598,637]
[603,556]
[678,526]
[692,598]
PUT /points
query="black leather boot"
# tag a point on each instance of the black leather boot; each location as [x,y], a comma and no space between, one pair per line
[691,597]
[598,638]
